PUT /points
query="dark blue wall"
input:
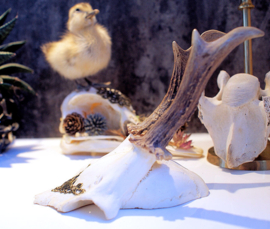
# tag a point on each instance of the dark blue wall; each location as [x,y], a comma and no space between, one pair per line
[142,60]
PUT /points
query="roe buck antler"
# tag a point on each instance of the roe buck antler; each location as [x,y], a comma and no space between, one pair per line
[182,98]
[180,60]
[127,176]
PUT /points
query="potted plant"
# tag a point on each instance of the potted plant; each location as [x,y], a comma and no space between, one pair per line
[10,86]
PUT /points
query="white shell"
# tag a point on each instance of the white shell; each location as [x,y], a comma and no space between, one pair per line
[81,102]
[116,116]
[129,178]
[236,119]
[89,144]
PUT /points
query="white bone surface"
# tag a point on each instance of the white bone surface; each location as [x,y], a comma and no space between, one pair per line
[236,119]
[167,184]
[124,179]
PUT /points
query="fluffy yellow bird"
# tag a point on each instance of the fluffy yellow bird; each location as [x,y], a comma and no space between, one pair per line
[85,48]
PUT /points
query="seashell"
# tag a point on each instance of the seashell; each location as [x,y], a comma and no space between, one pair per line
[89,144]
[236,119]
[105,104]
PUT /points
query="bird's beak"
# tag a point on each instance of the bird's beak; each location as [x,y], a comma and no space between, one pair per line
[92,14]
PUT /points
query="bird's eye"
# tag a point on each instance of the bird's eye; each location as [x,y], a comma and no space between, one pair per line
[77,9]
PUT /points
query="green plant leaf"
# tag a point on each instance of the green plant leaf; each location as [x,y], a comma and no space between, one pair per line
[6,28]
[8,69]
[15,81]
[6,86]
[4,16]
[12,46]
[4,56]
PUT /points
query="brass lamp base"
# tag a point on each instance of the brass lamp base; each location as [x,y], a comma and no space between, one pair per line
[262,162]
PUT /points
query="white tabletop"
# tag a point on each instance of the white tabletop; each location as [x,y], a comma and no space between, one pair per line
[238,199]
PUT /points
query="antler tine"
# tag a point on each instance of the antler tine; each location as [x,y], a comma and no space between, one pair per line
[203,61]
[180,60]
[212,35]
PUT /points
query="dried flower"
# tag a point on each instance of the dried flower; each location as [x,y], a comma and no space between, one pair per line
[117,133]
[180,140]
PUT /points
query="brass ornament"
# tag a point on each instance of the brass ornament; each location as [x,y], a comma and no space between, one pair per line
[69,188]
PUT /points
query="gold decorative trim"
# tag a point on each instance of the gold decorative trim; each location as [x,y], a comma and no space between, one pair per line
[261,163]
[69,188]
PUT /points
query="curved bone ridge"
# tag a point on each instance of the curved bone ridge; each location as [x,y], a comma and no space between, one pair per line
[241,89]
[222,80]
[238,124]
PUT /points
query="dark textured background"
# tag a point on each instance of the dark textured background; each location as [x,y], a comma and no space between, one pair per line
[142,59]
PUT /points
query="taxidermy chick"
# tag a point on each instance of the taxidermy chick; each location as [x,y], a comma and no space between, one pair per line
[85,48]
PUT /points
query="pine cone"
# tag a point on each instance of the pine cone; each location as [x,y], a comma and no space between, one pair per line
[95,124]
[73,123]
[114,96]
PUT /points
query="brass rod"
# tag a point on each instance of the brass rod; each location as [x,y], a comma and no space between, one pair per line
[246,7]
